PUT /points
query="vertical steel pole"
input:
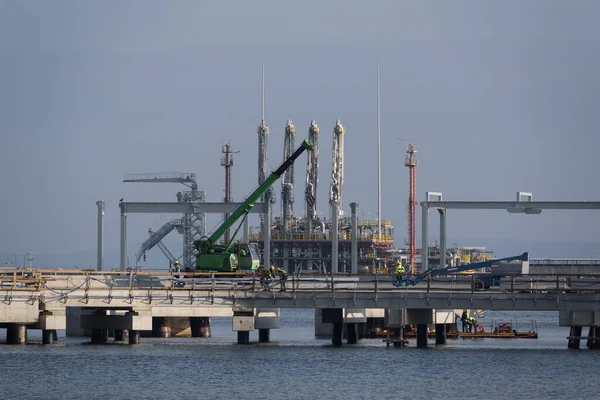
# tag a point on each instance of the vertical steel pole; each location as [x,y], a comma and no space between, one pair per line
[442,212]
[354,244]
[334,238]
[123,236]
[100,263]
[424,239]
[267,234]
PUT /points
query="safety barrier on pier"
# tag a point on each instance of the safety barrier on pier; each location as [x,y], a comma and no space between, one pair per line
[187,289]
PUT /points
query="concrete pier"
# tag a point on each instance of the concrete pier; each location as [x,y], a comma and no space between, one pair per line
[243,337]
[338,333]
[593,341]
[160,328]
[200,327]
[243,323]
[352,331]
[265,320]
[440,334]
[134,337]
[575,337]
[16,334]
[421,336]
[119,335]
[264,335]
[99,336]
[48,336]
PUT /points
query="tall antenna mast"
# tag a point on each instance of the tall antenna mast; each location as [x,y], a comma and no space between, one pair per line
[378,158]
[262,97]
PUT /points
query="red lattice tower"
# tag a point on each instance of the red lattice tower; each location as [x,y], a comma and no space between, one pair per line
[411,163]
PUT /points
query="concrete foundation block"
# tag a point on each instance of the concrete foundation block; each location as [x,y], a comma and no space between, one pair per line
[578,317]
[132,321]
[51,321]
[266,318]
[355,315]
[395,318]
[419,317]
[242,323]
[444,317]
[18,312]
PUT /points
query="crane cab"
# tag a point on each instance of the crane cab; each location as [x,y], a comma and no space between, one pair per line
[248,255]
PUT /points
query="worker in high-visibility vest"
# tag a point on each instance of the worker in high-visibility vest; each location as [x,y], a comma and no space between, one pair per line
[471,323]
[464,319]
[399,271]
[282,278]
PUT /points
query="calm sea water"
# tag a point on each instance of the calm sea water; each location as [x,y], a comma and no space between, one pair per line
[296,365]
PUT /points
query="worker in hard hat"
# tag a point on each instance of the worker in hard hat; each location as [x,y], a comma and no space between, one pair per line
[399,271]
[176,267]
[269,274]
[282,278]
[268,277]
[464,318]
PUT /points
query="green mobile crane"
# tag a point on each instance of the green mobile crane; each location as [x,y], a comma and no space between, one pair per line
[226,257]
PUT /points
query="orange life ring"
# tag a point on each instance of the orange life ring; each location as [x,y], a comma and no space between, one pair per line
[479,328]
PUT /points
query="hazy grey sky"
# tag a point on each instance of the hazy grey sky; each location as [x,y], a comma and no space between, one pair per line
[498,96]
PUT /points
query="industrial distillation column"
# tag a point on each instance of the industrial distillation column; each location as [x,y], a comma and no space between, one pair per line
[287,190]
[335,193]
[411,162]
[263,133]
[312,181]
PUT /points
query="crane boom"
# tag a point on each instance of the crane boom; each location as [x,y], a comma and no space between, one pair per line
[467,267]
[247,204]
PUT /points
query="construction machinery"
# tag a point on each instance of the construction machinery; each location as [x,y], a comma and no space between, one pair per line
[499,267]
[226,257]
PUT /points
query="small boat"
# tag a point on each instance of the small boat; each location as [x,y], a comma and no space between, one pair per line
[501,330]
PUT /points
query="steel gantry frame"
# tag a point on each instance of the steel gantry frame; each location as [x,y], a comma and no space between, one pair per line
[528,206]
[191,209]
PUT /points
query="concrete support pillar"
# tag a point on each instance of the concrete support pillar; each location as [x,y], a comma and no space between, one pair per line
[352,333]
[593,341]
[54,335]
[574,337]
[99,336]
[48,336]
[334,238]
[338,333]
[200,327]
[16,334]
[421,336]
[398,339]
[119,335]
[442,212]
[354,235]
[134,337]
[440,333]
[264,335]
[243,337]
[160,327]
